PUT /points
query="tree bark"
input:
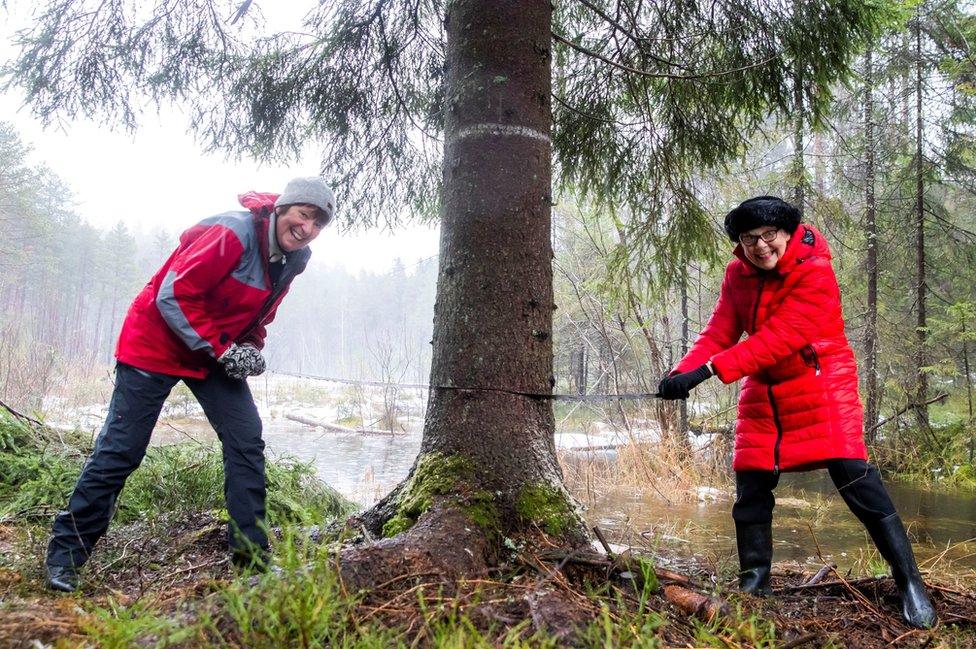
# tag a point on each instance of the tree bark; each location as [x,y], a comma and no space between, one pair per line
[685,343]
[492,342]
[871,261]
[921,322]
[579,367]
[819,167]
[969,389]
[798,173]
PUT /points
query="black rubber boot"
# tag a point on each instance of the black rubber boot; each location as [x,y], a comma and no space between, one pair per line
[255,559]
[892,541]
[755,545]
[62,578]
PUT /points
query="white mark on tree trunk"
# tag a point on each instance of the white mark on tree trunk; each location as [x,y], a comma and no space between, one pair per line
[477,130]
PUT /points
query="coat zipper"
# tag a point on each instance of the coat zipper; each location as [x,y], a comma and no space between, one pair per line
[779,431]
[772,400]
[755,311]
[268,304]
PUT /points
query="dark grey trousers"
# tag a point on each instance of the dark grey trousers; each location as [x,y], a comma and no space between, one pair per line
[135,406]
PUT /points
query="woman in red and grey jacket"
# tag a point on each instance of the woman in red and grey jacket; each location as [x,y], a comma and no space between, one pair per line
[201,320]
[799,407]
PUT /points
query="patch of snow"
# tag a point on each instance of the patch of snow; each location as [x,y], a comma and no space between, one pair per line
[708,494]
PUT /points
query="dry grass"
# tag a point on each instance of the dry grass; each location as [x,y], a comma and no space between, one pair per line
[669,469]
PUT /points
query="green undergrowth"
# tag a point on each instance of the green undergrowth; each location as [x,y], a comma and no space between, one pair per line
[305,605]
[946,468]
[937,456]
[39,467]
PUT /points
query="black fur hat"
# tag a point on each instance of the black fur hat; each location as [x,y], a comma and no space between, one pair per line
[759,211]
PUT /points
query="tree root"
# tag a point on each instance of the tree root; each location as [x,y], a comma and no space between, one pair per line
[444,544]
[446,552]
[558,614]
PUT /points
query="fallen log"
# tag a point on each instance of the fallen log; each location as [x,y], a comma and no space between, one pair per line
[704,607]
[829,584]
[817,578]
[591,449]
[336,428]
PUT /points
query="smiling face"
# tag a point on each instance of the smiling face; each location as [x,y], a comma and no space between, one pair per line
[764,254]
[297,226]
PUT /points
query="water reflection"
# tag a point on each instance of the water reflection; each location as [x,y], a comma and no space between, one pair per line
[361,467]
[809,513]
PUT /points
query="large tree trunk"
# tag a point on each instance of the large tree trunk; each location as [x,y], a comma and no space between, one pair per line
[921,321]
[488,448]
[871,262]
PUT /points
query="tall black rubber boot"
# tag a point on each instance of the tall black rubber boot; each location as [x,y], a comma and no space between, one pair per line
[755,544]
[62,578]
[893,544]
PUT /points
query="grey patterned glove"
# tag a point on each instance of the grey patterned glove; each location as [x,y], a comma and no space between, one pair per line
[242,361]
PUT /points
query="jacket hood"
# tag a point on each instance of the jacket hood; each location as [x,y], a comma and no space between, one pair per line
[805,242]
[259,203]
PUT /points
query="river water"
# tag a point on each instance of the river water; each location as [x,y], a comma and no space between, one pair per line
[809,511]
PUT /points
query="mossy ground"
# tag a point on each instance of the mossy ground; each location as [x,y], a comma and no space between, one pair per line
[181,592]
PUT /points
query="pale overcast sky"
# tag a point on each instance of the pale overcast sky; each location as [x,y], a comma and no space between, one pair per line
[160,177]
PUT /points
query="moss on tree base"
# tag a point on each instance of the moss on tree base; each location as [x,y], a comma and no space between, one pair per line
[446,477]
[450,478]
[548,507]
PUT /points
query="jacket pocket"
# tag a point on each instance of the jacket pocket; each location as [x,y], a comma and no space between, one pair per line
[811,358]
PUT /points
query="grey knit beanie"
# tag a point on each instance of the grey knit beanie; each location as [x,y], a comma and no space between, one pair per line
[309,191]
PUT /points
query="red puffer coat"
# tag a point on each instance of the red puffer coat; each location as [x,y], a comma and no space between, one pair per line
[799,403]
[213,291]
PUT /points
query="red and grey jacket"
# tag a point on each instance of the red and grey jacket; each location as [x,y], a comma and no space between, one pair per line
[799,403]
[213,291]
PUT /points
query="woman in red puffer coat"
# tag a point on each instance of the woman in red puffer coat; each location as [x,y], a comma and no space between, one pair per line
[799,407]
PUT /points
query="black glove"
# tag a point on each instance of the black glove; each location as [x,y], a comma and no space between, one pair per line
[679,386]
[242,361]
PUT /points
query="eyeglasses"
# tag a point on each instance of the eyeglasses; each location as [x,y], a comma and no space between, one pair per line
[752,239]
